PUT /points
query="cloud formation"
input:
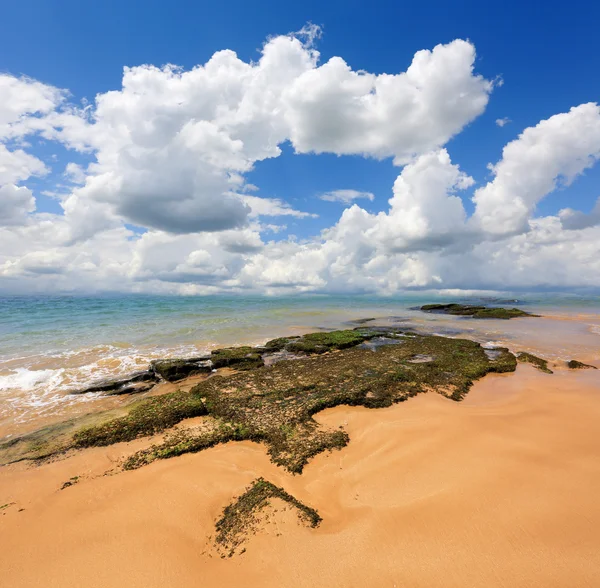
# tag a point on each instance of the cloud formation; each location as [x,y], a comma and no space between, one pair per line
[163,205]
[346,196]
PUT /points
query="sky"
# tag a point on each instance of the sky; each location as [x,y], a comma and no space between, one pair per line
[268,147]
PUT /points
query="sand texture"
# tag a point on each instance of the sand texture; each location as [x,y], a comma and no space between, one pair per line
[501,489]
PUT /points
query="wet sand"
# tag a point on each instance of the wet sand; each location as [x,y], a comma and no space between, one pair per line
[498,490]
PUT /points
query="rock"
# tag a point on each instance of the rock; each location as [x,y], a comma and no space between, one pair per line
[242,358]
[478,312]
[137,382]
[578,365]
[173,370]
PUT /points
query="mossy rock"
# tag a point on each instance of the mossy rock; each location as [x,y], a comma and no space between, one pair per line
[479,312]
[242,358]
[578,365]
[538,362]
[173,370]
[322,342]
[146,417]
[275,405]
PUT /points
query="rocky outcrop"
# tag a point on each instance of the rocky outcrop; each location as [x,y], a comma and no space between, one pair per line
[578,365]
[173,370]
[137,382]
[478,312]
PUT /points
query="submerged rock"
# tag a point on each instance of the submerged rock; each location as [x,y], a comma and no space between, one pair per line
[478,312]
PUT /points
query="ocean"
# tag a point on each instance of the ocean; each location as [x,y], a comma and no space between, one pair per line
[51,345]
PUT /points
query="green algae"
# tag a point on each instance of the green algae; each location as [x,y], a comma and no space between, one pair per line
[538,362]
[146,417]
[241,515]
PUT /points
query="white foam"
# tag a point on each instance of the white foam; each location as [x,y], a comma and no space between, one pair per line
[25,379]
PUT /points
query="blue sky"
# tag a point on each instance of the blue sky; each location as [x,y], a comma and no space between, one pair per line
[542,57]
[548,54]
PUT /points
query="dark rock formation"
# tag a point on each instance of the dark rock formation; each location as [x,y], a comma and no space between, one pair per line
[137,382]
[479,312]
[173,370]
[578,365]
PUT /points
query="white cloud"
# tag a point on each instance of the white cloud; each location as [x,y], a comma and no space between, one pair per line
[573,219]
[171,151]
[501,122]
[272,207]
[15,203]
[551,154]
[346,196]
[337,110]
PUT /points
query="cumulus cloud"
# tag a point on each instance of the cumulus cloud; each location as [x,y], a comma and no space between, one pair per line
[573,220]
[15,203]
[501,122]
[551,154]
[334,109]
[346,196]
[171,150]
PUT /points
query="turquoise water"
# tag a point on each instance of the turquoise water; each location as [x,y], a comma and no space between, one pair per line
[52,344]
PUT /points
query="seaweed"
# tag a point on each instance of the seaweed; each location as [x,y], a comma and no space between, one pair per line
[538,362]
[241,515]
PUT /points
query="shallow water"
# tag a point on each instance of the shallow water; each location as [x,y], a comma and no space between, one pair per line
[51,345]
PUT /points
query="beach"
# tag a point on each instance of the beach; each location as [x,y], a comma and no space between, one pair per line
[499,489]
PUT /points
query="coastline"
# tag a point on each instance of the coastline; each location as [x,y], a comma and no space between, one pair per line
[561,334]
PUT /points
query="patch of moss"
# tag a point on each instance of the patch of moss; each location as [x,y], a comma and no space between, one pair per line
[242,358]
[278,344]
[480,312]
[578,365]
[147,417]
[322,342]
[538,362]
[241,517]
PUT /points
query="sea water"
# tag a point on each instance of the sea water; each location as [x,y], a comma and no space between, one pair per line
[51,345]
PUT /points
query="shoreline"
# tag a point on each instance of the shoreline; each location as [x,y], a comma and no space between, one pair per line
[541,338]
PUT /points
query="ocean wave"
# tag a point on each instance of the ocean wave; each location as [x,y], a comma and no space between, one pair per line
[26,379]
[28,391]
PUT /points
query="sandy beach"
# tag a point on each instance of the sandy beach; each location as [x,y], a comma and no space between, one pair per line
[500,489]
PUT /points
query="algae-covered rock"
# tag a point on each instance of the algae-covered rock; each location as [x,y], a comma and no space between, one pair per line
[479,312]
[173,370]
[275,405]
[242,358]
[322,342]
[578,365]
[538,362]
